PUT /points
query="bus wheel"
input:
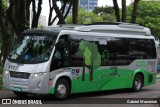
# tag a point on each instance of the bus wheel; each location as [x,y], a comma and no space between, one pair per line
[20,94]
[137,83]
[61,89]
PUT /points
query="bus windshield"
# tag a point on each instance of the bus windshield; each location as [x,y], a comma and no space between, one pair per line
[32,48]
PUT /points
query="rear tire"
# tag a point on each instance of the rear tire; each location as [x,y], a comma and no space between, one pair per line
[62,89]
[137,83]
[20,94]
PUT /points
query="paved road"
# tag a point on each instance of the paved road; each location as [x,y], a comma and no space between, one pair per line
[152,91]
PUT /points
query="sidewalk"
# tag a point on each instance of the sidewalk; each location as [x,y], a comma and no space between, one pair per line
[158,75]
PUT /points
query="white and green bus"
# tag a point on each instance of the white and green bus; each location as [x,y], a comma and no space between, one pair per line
[66,59]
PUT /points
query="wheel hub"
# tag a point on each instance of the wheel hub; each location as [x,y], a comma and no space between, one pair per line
[61,89]
[137,83]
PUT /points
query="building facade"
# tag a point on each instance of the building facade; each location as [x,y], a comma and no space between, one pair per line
[88,4]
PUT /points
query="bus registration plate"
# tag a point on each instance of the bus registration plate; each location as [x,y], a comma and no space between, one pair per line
[17,89]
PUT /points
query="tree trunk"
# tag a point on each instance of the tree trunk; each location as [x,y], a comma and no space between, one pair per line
[12,23]
[37,13]
[7,33]
[123,10]
[116,9]
[34,13]
[16,14]
[75,11]
[50,13]
[28,10]
[50,20]
[59,14]
[134,13]
[67,12]
[3,28]
[63,7]
[21,17]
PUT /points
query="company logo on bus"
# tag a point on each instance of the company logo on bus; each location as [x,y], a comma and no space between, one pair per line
[75,71]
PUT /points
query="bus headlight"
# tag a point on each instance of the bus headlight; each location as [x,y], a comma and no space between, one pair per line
[39,74]
[6,72]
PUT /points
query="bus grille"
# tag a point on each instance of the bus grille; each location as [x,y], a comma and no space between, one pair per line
[23,75]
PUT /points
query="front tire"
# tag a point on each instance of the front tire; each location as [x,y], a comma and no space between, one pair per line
[20,94]
[62,89]
[137,83]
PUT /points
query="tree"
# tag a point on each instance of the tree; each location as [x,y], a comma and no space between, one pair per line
[36,13]
[106,13]
[75,12]
[4,32]
[116,8]
[16,15]
[61,12]
[13,22]
[85,17]
[123,10]
[28,10]
[134,13]
[148,14]
[101,10]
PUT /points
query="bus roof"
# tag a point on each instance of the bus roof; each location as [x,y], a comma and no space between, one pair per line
[102,27]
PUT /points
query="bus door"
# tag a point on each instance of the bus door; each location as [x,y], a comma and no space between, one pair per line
[61,58]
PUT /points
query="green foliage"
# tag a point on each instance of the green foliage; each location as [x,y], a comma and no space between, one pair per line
[5,4]
[106,13]
[106,9]
[41,26]
[148,15]
[85,17]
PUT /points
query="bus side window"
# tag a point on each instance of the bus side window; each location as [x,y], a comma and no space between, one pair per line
[142,49]
[77,56]
[61,56]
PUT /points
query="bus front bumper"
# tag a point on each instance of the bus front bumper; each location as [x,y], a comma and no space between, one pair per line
[31,85]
